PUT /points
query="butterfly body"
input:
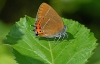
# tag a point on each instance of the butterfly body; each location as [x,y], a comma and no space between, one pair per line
[48,23]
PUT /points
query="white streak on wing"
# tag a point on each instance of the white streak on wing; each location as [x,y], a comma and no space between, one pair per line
[46,23]
[48,19]
[47,11]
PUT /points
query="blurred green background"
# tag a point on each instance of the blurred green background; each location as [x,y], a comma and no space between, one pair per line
[86,12]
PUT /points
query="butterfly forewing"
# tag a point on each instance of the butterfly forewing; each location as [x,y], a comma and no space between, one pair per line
[48,11]
[49,23]
[50,27]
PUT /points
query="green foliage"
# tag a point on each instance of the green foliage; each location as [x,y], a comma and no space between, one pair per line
[6,57]
[68,6]
[29,49]
[4,28]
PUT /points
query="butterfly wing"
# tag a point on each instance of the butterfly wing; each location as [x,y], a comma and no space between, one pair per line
[51,22]
[50,27]
[47,11]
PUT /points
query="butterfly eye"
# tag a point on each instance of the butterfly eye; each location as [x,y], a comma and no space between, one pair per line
[36,34]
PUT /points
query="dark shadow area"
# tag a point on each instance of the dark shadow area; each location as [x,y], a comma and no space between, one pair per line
[47,39]
[69,36]
[22,59]
[14,35]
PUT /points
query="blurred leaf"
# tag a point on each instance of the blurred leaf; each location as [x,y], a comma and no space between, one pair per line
[4,29]
[29,49]
[95,59]
[6,57]
[68,6]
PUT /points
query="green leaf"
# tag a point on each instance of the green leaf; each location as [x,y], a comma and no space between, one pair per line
[4,30]
[5,50]
[29,49]
[6,56]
